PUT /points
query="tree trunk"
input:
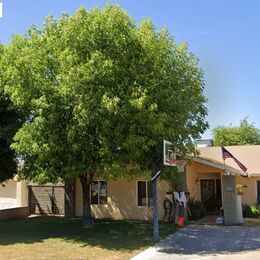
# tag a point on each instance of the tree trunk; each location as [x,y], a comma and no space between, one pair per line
[85,181]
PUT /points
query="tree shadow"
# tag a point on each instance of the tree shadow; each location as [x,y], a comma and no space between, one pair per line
[211,240]
[109,234]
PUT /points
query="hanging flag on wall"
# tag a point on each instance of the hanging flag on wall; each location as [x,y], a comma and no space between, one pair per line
[226,154]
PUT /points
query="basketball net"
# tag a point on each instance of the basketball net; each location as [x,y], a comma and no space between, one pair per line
[180,164]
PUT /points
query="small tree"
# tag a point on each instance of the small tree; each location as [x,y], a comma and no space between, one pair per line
[103,92]
[244,134]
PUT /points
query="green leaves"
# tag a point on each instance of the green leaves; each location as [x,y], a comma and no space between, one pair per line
[102,93]
[10,120]
[244,134]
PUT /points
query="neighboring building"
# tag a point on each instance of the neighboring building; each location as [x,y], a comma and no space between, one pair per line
[13,194]
[202,143]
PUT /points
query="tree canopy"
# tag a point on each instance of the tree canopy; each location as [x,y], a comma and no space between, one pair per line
[244,134]
[103,92]
[10,121]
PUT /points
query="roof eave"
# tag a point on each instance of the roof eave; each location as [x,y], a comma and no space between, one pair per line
[218,165]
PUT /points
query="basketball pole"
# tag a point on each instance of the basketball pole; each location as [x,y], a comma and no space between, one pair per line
[155,205]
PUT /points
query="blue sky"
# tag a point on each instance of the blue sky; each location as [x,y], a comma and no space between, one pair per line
[223,34]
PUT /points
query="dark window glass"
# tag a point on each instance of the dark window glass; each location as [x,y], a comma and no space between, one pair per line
[144,193]
[102,192]
[141,193]
[94,192]
[98,192]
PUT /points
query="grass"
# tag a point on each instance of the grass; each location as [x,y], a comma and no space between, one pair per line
[61,238]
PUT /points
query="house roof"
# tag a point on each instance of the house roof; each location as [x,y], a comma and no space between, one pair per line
[218,165]
[249,155]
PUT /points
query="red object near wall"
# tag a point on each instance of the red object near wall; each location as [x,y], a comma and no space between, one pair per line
[181,222]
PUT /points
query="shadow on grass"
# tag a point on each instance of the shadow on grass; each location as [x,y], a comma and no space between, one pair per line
[109,234]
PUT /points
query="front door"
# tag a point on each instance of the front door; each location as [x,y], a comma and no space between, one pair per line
[211,194]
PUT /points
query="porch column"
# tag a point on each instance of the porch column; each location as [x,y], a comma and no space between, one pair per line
[229,199]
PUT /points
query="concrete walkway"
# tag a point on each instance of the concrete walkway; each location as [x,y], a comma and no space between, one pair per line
[207,242]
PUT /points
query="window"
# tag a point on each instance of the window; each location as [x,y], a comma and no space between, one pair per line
[98,191]
[258,192]
[144,193]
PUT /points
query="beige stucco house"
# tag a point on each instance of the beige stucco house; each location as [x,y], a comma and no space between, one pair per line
[204,180]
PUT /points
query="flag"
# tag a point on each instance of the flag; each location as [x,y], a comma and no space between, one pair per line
[226,154]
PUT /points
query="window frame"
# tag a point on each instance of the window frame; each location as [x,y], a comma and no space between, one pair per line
[90,191]
[146,194]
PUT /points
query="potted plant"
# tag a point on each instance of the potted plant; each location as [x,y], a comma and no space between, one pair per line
[240,189]
[195,208]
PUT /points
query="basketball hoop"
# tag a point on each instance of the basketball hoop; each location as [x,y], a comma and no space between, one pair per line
[179,164]
[169,157]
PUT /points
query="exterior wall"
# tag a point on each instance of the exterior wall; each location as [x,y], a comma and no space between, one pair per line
[20,212]
[122,194]
[249,195]
[14,194]
[22,193]
[9,190]
[8,195]
[122,201]
[196,171]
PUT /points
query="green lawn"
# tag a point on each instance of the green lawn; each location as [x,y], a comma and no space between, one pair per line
[60,238]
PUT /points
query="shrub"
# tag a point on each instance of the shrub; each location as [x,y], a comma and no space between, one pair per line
[203,210]
[196,208]
[251,211]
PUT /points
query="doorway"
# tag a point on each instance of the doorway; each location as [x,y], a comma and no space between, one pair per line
[211,194]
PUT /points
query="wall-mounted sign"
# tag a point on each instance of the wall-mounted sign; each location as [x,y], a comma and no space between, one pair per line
[229,188]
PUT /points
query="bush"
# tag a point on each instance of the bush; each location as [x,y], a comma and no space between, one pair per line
[197,209]
[195,213]
[251,211]
[203,210]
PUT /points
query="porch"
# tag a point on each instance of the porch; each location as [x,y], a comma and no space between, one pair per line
[204,185]
[207,183]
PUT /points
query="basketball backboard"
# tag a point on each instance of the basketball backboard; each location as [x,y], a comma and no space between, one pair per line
[169,154]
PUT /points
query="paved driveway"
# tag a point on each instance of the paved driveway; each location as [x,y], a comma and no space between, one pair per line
[207,242]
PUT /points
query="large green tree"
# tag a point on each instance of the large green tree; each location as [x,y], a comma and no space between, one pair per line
[10,122]
[244,134]
[103,92]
